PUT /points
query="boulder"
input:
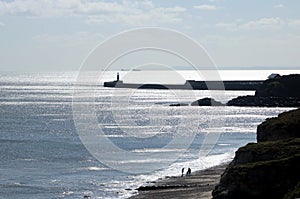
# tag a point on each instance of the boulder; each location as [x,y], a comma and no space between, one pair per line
[206,102]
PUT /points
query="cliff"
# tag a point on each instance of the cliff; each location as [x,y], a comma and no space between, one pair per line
[283,86]
[269,168]
[282,91]
[287,125]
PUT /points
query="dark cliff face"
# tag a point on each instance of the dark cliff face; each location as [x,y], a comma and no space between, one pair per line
[284,86]
[287,125]
[261,171]
[282,91]
[267,169]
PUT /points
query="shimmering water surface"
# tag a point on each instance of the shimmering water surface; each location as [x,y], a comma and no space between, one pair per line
[42,155]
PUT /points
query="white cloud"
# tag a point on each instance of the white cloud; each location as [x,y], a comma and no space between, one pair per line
[263,23]
[278,6]
[205,7]
[2,24]
[52,8]
[259,24]
[127,12]
[151,17]
[294,23]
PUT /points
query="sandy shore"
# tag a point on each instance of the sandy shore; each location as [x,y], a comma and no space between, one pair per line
[198,185]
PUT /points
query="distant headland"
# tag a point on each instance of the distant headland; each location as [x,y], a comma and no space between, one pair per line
[276,91]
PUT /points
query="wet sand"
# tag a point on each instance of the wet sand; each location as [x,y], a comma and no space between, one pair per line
[198,185]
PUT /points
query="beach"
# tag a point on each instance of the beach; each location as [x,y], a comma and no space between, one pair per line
[197,185]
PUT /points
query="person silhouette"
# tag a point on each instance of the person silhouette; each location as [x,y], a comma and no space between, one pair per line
[182,171]
[190,171]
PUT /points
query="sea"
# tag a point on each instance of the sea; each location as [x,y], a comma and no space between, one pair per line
[46,153]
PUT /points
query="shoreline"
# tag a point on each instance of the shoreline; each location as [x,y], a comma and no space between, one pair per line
[197,185]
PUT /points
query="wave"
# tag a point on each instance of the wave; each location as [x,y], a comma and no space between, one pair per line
[198,164]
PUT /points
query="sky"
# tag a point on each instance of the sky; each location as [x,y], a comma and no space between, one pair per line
[57,35]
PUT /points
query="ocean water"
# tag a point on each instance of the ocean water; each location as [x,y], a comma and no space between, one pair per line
[42,154]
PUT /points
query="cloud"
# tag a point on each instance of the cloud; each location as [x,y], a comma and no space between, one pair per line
[2,24]
[278,6]
[127,12]
[54,8]
[259,24]
[294,23]
[205,7]
[263,23]
[153,16]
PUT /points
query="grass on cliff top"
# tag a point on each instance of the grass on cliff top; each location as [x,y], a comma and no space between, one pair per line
[270,163]
[287,123]
[267,151]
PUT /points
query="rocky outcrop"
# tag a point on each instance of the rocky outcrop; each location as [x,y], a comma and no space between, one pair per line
[287,125]
[267,169]
[250,100]
[179,104]
[283,91]
[283,86]
[206,102]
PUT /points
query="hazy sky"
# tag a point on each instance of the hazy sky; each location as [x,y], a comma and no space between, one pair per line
[51,35]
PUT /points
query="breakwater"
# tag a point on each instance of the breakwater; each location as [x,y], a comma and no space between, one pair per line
[192,84]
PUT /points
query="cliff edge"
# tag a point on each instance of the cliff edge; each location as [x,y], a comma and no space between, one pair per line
[269,168]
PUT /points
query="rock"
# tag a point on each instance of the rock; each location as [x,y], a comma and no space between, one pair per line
[161,187]
[286,125]
[206,102]
[179,104]
[264,101]
[267,169]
